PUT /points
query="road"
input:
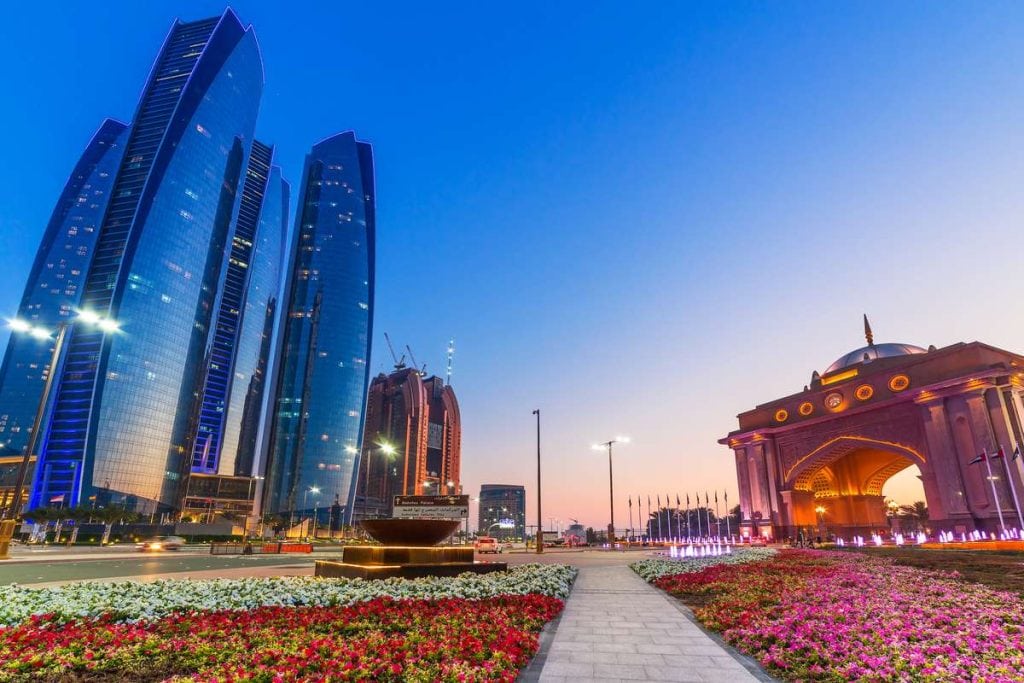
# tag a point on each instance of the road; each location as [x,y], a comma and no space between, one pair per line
[59,566]
[49,566]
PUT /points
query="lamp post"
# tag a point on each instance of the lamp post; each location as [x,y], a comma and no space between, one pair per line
[611,487]
[540,534]
[106,325]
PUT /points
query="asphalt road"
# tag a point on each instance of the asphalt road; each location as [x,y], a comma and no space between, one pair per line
[57,569]
[40,566]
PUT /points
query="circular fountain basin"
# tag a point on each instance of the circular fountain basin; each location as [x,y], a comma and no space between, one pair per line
[411,532]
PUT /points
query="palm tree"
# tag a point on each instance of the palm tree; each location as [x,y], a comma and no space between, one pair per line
[918,512]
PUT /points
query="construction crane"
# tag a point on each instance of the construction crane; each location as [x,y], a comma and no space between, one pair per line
[451,355]
[399,362]
[423,370]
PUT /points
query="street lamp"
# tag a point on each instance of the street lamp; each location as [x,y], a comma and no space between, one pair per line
[611,488]
[107,326]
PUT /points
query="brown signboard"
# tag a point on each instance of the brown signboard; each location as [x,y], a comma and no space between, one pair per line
[431,507]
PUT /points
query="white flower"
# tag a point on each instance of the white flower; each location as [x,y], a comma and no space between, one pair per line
[132,601]
[652,569]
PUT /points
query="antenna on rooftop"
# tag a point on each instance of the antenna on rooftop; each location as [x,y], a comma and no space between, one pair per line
[451,355]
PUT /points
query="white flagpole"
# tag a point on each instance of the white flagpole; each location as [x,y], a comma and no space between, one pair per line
[999,509]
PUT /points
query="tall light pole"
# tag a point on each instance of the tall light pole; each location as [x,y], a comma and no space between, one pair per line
[611,486]
[107,325]
[540,533]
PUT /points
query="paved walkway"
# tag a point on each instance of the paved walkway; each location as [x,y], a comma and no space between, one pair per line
[617,627]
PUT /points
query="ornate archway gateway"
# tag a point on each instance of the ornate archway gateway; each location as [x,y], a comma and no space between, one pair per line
[818,459]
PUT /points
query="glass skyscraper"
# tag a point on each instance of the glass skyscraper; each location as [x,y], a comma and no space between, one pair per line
[324,363]
[55,283]
[123,416]
[250,285]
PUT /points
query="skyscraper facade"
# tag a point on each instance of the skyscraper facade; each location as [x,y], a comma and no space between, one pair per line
[324,361]
[55,284]
[247,406]
[250,283]
[123,413]
[411,442]
[502,511]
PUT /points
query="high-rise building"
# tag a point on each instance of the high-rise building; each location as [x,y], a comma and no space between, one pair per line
[411,442]
[55,283]
[122,415]
[502,511]
[250,284]
[320,391]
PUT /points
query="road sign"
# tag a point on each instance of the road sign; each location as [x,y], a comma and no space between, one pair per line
[431,507]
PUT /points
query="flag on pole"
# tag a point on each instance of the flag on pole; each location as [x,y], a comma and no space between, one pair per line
[631,502]
[1016,452]
[57,499]
[982,457]
[716,496]
[999,454]
[677,500]
[687,501]
[706,500]
[659,501]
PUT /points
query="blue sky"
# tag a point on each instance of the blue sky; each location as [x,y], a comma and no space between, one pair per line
[639,220]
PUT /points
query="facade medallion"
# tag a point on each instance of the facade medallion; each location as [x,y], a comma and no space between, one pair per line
[899,382]
[864,392]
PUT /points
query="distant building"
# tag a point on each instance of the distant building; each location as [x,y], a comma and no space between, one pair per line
[320,393]
[412,443]
[502,511]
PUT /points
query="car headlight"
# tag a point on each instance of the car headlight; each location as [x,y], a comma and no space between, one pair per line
[156,546]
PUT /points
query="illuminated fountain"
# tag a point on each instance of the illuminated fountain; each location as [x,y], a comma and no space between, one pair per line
[408,549]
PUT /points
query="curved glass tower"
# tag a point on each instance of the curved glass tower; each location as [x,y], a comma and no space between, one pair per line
[250,286]
[54,287]
[247,405]
[320,396]
[123,413]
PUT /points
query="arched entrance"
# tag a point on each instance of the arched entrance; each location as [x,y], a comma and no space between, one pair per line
[837,488]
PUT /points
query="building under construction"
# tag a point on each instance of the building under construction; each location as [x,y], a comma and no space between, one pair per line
[412,441]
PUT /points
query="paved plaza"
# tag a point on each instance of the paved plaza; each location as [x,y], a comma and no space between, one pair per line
[617,627]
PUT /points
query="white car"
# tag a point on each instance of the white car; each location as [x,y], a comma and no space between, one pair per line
[486,544]
[159,543]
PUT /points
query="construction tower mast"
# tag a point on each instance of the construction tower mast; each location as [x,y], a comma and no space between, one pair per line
[451,355]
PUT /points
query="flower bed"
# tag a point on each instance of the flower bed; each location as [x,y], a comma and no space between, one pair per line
[128,601]
[383,639]
[811,615]
[649,570]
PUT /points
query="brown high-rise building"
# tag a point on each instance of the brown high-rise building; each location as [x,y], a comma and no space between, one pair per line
[412,442]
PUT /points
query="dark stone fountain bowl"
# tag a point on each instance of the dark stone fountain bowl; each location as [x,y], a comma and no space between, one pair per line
[411,532]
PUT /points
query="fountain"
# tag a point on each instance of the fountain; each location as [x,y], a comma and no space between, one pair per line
[408,549]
